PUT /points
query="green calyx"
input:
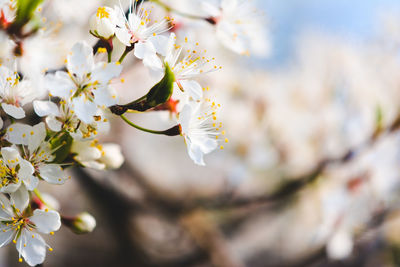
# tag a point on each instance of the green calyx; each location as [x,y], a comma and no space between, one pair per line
[158,95]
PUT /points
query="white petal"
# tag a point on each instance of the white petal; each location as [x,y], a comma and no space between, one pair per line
[11,188]
[160,43]
[104,72]
[34,252]
[45,108]
[25,173]
[10,156]
[80,61]
[94,165]
[14,111]
[18,133]
[52,173]
[6,211]
[143,48]
[84,108]
[105,96]
[152,61]
[20,198]
[54,124]
[46,221]
[123,35]
[31,182]
[207,145]
[184,118]
[59,84]
[195,153]
[85,152]
[6,235]
[112,156]
[36,136]
[227,33]
[192,88]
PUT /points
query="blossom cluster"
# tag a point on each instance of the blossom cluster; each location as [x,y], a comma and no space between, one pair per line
[53,119]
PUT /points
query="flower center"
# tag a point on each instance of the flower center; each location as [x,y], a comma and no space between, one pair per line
[7,175]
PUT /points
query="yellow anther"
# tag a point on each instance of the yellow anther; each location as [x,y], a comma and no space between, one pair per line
[101,50]
[102,13]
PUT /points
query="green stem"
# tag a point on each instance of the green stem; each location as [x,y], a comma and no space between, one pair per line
[123,56]
[170,9]
[109,56]
[40,197]
[140,128]
[169,132]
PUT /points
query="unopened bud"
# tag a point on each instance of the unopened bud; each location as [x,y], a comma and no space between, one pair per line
[103,23]
[83,223]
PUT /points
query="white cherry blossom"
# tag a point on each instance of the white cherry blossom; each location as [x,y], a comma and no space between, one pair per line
[62,117]
[200,129]
[139,30]
[103,23]
[37,151]
[22,228]
[239,26]
[14,93]
[16,176]
[93,155]
[85,87]
[186,62]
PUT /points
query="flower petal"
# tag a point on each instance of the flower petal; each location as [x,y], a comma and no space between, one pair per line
[84,108]
[160,43]
[45,108]
[80,61]
[59,84]
[37,134]
[52,173]
[25,173]
[105,96]
[123,36]
[6,235]
[192,88]
[14,111]
[18,133]
[104,72]
[53,124]
[32,247]
[20,198]
[10,156]
[46,221]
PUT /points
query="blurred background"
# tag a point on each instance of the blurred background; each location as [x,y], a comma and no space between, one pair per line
[311,173]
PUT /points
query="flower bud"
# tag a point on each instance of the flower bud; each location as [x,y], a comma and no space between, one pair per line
[112,157]
[83,223]
[103,23]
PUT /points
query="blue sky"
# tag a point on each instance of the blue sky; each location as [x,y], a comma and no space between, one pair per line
[352,19]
